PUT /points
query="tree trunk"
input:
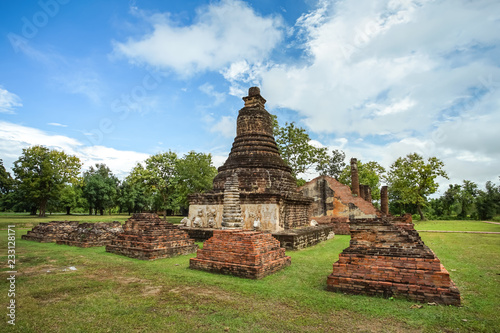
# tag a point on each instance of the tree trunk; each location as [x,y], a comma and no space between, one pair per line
[101,211]
[422,217]
[33,210]
[90,210]
[43,205]
[68,210]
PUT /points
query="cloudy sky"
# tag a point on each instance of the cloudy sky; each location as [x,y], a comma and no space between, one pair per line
[116,81]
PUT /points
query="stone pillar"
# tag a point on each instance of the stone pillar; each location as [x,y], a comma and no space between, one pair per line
[384,200]
[368,195]
[231,214]
[354,177]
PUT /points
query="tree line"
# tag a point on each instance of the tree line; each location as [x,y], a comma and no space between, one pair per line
[50,180]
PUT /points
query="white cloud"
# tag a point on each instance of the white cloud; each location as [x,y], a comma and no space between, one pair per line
[13,138]
[226,126]
[209,90]
[222,32]
[9,101]
[57,125]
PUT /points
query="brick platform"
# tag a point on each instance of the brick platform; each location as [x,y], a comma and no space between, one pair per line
[92,234]
[296,239]
[50,232]
[386,257]
[247,254]
[146,236]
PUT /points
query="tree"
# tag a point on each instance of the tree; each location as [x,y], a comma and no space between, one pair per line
[332,165]
[42,173]
[370,173]
[133,197]
[195,174]
[414,179]
[295,147]
[158,178]
[450,198]
[6,186]
[488,201]
[99,188]
[466,197]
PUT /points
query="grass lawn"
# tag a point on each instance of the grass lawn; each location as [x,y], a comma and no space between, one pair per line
[111,293]
[457,225]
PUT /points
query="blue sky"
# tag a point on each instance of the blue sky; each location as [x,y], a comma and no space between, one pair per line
[116,81]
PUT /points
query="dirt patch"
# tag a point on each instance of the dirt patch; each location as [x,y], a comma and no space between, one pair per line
[204,292]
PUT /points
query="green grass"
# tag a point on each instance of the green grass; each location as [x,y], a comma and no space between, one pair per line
[111,293]
[457,226]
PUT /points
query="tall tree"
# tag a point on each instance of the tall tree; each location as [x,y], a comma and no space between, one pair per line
[414,179]
[6,186]
[370,173]
[158,177]
[99,188]
[450,198]
[42,173]
[488,201]
[195,174]
[466,197]
[332,165]
[295,147]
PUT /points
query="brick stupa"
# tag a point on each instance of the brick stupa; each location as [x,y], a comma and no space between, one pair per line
[233,251]
[146,236]
[386,257]
[51,231]
[268,191]
[92,234]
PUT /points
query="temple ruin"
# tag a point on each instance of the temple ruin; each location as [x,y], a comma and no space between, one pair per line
[146,236]
[50,232]
[268,194]
[387,257]
[234,251]
[267,190]
[92,234]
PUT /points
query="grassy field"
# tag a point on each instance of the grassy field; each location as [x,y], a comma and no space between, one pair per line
[111,293]
[457,225]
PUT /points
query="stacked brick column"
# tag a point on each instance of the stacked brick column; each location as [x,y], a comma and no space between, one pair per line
[386,257]
[148,237]
[384,200]
[354,177]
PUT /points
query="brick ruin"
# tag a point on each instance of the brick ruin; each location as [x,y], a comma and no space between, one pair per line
[268,195]
[146,236]
[335,203]
[50,232]
[92,234]
[233,251]
[387,257]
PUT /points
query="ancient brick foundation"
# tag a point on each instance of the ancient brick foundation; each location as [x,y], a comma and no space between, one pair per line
[199,234]
[92,234]
[386,257]
[297,239]
[51,231]
[146,236]
[340,224]
[247,254]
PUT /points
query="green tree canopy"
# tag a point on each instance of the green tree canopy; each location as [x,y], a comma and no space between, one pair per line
[99,188]
[158,178]
[466,197]
[332,165]
[413,179]
[195,173]
[42,173]
[488,201]
[295,147]
[370,173]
